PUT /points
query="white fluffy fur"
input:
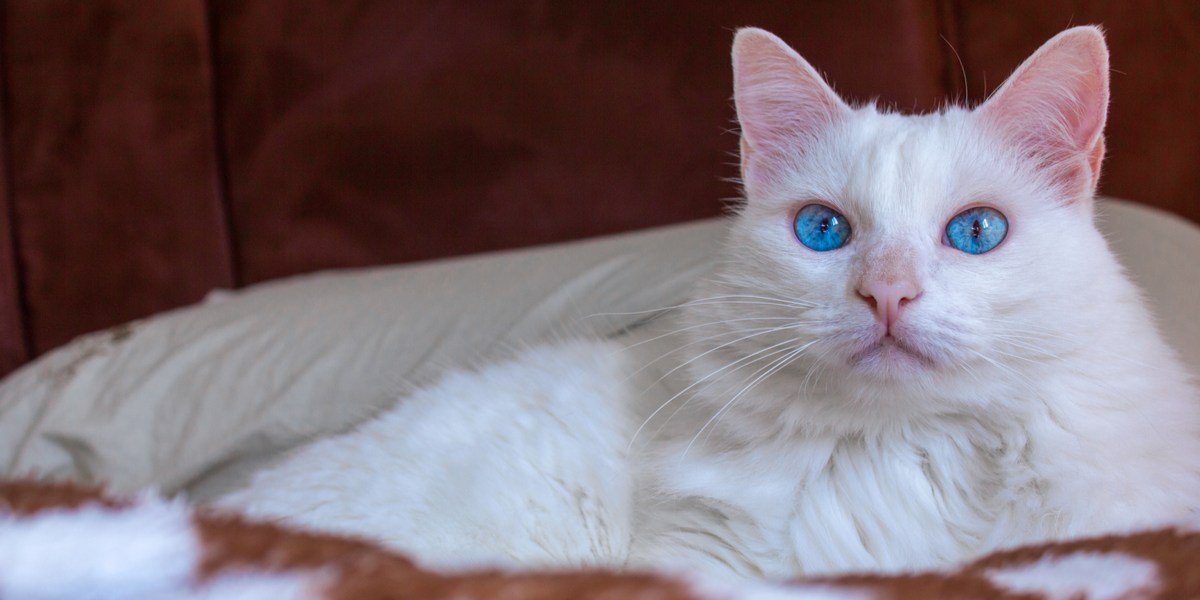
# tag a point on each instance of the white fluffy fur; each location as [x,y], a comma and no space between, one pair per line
[97,552]
[761,429]
[147,550]
[1082,575]
[522,462]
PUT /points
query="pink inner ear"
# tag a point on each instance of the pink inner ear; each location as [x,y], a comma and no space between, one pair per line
[782,103]
[1055,105]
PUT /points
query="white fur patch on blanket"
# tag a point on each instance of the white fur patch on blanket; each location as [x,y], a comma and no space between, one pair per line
[150,549]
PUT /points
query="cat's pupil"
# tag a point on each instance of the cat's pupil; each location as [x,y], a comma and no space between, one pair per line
[824,225]
[976,230]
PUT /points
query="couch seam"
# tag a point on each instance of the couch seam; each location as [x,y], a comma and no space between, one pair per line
[220,150]
[20,283]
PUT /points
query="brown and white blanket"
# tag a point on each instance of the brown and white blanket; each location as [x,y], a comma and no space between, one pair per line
[64,541]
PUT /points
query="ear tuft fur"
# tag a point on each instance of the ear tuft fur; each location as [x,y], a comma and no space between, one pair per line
[1054,107]
[781,102]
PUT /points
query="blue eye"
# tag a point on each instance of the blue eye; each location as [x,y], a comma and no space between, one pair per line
[821,228]
[976,230]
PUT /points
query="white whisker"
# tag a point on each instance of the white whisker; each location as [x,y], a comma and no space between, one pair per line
[715,300]
[764,357]
[701,325]
[754,331]
[698,381]
[773,367]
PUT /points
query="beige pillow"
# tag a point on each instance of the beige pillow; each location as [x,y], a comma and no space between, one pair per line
[176,398]
[192,399]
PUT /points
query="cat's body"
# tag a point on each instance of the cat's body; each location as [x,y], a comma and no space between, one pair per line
[879,400]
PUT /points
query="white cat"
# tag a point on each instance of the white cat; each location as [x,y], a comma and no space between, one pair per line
[917,348]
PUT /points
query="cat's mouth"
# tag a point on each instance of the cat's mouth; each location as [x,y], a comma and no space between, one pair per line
[890,354]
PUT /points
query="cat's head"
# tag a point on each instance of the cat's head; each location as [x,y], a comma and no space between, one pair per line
[912,250]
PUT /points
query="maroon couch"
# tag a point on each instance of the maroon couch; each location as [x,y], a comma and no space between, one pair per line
[152,151]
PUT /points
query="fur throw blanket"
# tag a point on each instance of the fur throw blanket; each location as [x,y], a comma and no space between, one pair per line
[64,541]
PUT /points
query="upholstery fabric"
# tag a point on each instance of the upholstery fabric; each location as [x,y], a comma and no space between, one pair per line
[151,151]
[113,163]
[411,130]
[14,346]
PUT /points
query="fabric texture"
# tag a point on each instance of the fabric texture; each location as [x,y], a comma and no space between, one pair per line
[63,539]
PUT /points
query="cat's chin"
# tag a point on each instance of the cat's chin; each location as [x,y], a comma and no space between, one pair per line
[892,358]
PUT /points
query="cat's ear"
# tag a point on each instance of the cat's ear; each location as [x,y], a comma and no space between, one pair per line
[1054,108]
[782,102]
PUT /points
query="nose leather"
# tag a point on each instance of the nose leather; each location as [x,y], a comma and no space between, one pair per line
[888,298]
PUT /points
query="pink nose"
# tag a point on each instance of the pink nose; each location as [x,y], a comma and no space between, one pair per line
[888,298]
